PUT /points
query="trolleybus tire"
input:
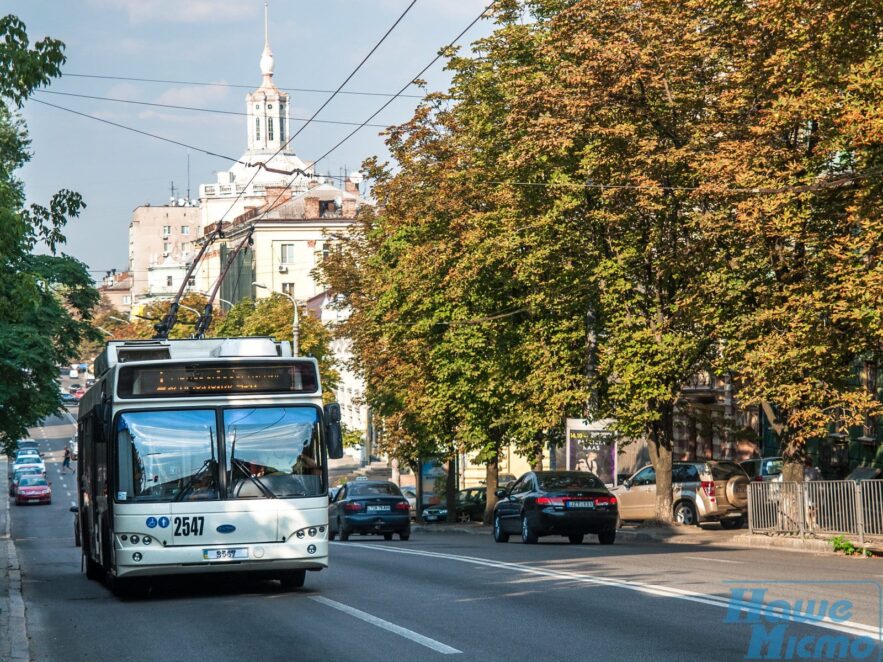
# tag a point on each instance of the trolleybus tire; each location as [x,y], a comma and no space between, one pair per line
[94,571]
[292,579]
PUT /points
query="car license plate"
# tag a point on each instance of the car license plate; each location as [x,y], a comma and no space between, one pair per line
[228,554]
[33,501]
[581,504]
[377,509]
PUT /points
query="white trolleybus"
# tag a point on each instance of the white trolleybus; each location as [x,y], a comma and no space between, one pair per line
[201,456]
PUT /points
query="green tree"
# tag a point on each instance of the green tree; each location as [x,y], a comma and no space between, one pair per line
[45,300]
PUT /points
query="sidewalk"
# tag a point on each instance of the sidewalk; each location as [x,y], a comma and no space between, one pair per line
[673,535]
[13,628]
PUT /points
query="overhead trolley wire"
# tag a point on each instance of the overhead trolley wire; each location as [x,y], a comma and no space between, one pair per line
[246,87]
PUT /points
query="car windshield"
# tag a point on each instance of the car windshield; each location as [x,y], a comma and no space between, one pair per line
[33,481]
[565,482]
[273,452]
[26,471]
[772,467]
[372,489]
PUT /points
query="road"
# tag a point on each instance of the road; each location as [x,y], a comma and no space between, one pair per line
[437,595]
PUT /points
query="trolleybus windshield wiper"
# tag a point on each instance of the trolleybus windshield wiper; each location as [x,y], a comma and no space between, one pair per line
[239,464]
[205,465]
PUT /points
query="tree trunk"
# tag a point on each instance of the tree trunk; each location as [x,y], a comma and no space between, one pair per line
[793,459]
[395,474]
[660,448]
[493,467]
[451,490]
[417,469]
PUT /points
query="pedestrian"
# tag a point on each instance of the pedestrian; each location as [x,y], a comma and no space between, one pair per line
[67,460]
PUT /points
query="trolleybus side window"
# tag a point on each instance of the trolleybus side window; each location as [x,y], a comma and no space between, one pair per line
[273,452]
[167,455]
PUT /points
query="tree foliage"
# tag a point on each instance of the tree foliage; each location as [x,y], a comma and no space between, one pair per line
[46,299]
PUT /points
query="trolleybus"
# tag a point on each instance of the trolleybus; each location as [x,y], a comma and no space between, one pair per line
[204,456]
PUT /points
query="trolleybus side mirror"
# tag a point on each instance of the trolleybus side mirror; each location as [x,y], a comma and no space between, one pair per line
[333,435]
[75,509]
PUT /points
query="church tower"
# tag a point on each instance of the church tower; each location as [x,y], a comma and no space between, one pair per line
[268,125]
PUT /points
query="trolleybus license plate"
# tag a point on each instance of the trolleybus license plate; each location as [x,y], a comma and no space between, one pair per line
[228,554]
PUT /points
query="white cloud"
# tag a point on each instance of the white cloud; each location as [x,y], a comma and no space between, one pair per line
[176,11]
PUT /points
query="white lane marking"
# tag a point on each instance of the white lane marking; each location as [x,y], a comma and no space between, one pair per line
[705,558]
[847,627]
[437,646]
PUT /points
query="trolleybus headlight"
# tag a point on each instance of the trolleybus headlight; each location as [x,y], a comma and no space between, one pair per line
[300,534]
[312,531]
[147,540]
[321,529]
[136,556]
[135,539]
[124,537]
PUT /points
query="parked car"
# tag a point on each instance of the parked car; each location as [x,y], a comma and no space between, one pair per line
[28,461]
[33,489]
[410,493]
[563,503]
[369,506]
[73,373]
[68,400]
[470,507]
[79,393]
[22,444]
[708,491]
[73,388]
[763,469]
[18,474]
[90,381]
[24,455]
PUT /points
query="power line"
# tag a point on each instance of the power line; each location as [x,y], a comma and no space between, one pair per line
[355,71]
[247,87]
[139,131]
[410,82]
[194,108]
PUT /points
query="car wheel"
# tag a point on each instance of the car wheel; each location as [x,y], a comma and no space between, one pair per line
[607,537]
[528,535]
[331,532]
[387,536]
[292,579]
[685,513]
[499,534]
[732,523]
[576,539]
[463,517]
[404,535]
[344,535]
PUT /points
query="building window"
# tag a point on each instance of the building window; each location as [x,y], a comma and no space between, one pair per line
[269,128]
[288,288]
[269,106]
[127,299]
[166,230]
[326,249]
[168,281]
[191,282]
[287,254]
[281,128]
[167,247]
[257,128]
[185,229]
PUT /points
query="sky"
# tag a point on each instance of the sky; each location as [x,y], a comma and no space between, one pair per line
[315,44]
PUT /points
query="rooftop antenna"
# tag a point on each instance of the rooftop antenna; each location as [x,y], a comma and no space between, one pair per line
[188,176]
[173,189]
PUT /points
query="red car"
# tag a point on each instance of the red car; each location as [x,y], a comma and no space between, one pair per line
[79,393]
[33,489]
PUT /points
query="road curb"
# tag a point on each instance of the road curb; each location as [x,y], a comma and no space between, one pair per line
[12,607]
[742,541]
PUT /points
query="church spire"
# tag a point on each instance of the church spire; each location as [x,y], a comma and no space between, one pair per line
[267,62]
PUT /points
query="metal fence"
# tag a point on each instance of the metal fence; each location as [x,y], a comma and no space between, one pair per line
[817,508]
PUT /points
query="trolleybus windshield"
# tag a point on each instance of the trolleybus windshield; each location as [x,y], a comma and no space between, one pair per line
[175,455]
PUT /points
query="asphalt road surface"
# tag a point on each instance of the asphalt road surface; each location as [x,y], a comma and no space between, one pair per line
[454,596]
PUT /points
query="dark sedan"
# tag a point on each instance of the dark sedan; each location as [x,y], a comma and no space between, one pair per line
[369,506]
[556,503]
[470,507]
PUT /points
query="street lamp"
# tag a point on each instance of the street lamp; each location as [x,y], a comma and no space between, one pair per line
[295,320]
[118,319]
[205,294]
[103,330]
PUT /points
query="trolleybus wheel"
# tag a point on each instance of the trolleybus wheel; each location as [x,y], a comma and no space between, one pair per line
[94,571]
[292,579]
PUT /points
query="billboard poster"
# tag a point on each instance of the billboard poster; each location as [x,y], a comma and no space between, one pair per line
[590,446]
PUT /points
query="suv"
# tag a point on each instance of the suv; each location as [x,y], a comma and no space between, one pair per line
[710,491]
[765,469]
